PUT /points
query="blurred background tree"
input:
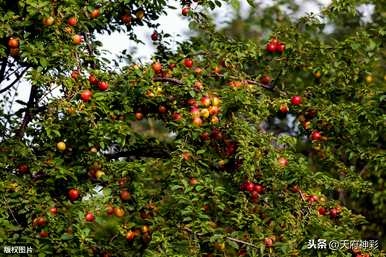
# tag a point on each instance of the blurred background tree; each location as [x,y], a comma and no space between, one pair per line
[339,21]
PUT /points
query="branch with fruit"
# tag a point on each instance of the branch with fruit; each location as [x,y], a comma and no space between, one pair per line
[246,81]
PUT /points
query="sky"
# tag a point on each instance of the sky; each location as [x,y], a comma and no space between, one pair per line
[180,30]
[176,25]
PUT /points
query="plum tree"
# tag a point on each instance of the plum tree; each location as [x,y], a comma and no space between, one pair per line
[215,179]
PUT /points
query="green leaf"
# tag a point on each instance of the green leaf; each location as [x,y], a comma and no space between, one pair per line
[233,244]
[235,4]
[251,3]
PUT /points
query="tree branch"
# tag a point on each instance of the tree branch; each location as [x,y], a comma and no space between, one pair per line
[155,151]
[28,113]
[191,231]
[88,44]
[171,80]
[241,241]
[10,72]
[254,82]
[10,210]
[228,238]
[304,200]
[4,62]
[115,236]
[179,82]
[18,77]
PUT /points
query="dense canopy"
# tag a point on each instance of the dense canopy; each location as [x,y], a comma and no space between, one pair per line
[257,139]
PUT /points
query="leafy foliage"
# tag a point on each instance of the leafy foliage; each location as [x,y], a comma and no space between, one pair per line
[192,154]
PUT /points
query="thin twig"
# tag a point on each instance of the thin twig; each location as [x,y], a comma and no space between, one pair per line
[18,77]
[89,46]
[28,113]
[191,231]
[4,63]
[304,199]
[78,67]
[241,241]
[11,70]
[253,82]
[49,92]
[364,169]
[301,194]
[6,203]
[199,53]
[171,80]
[111,240]
[228,238]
